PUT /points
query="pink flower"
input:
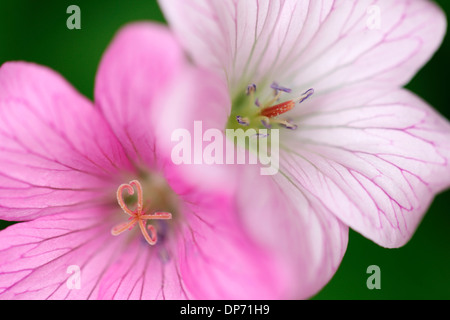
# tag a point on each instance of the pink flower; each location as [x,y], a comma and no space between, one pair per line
[62,160]
[361,152]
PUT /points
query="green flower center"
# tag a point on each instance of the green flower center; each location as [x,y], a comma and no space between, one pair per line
[251,112]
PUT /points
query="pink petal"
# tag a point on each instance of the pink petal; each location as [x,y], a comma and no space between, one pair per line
[56,151]
[322,44]
[199,103]
[141,61]
[144,273]
[37,257]
[302,236]
[375,158]
[218,258]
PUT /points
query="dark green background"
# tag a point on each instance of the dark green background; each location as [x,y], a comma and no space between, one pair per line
[36,31]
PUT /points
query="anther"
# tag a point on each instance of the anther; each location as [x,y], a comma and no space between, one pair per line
[251,89]
[266,122]
[277,88]
[243,121]
[260,135]
[305,95]
[287,124]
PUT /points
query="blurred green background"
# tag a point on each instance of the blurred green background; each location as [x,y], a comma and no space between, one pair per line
[36,31]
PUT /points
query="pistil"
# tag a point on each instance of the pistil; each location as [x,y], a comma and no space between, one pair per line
[138,216]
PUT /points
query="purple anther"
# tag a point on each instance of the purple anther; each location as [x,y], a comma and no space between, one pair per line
[266,123]
[260,136]
[292,126]
[306,95]
[257,103]
[242,121]
[251,89]
[277,88]
[289,125]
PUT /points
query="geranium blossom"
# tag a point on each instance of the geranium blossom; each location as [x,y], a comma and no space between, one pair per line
[359,151]
[69,166]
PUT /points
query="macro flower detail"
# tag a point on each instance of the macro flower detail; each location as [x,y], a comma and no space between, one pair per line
[267,113]
[72,170]
[138,215]
[356,151]
[365,153]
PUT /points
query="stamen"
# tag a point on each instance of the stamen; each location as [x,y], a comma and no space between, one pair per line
[251,89]
[137,216]
[266,122]
[260,135]
[277,88]
[257,103]
[287,124]
[243,121]
[305,95]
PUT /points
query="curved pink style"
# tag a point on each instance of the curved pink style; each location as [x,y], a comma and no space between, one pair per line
[137,216]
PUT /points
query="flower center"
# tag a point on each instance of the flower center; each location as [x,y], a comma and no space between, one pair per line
[250,112]
[152,212]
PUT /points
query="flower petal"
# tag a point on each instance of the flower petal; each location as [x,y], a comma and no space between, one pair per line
[200,104]
[307,240]
[56,150]
[375,158]
[218,258]
[144,272]
[58,257]
[323,44]
[142,59]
